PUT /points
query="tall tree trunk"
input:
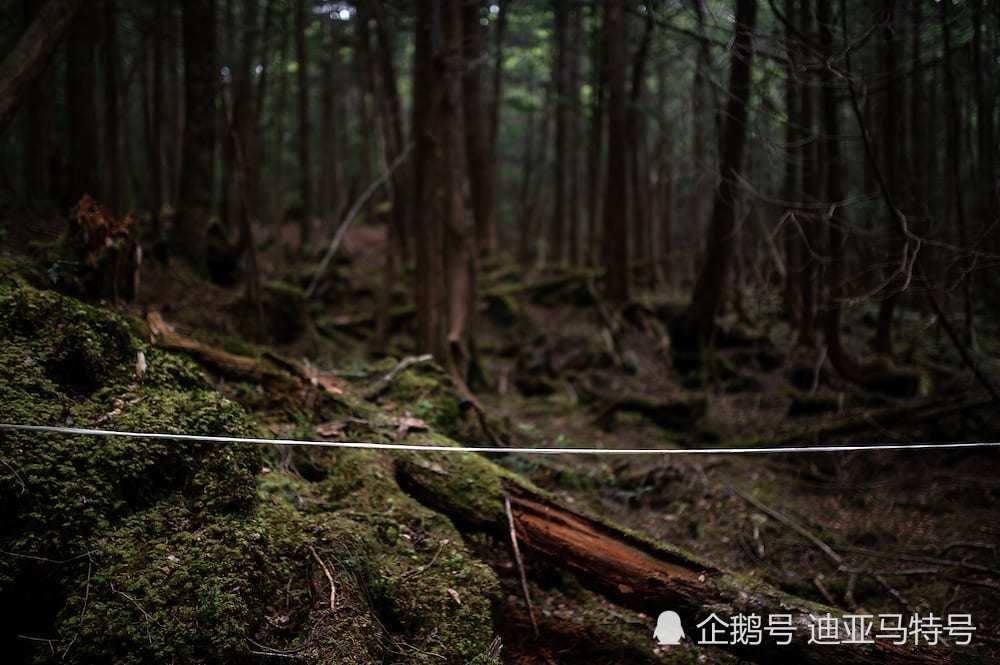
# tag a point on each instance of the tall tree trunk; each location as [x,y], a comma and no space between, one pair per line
[890,134]
[595,143]
[616,259]
[493,165]
[698,321]
[699,116]
[954,203]
[557,229]
[201,87]
[304,139]
[477,138]
[638,176]
[22,66]
[84,160]
[524,212]
[836,190]
[812,193]
[112,118]
[333,174]
[987,202]
[394,134]
[154,123]
[790,184]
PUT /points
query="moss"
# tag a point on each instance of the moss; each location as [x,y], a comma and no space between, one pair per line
[159,551]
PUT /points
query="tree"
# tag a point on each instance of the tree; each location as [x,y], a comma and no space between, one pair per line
[477,133]
[560,86]
[22,66]
[697,323]
[305,160]
[616,259]
[201,88]
[84,159]
[445,283]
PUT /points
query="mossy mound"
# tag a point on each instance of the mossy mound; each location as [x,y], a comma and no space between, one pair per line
[134,551]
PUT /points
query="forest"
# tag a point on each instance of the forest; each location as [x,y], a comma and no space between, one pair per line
[530,332]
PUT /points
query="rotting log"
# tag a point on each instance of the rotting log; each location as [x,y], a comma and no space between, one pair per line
[629,569]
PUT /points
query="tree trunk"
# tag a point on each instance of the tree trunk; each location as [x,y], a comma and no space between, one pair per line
[477,137]
[154,123]
[112,118]
[616,258]
[954,204]
[698,321]
[84,160]
[790,185]
[629,570]
[201,87]
[557,229]
[493,165]
[638,175]
[890,168]
[305,163]
[595,143]
[812,193]
[572,139]
[22,66]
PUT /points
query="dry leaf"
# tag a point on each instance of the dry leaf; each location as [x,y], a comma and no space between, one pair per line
[454,596]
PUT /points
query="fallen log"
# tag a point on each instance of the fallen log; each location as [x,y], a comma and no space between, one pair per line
[628,569]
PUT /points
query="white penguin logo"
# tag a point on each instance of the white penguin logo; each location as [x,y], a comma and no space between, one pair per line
[668,629]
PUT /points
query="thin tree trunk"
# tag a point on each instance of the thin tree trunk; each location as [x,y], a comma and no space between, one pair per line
[812,186]
[790,185]
[890,145]
[698,321]
[616,258]
[595,144]
[493,164]
[954,203]
[112,118]
[572,134]
[304,139]
[154,124]
[557,229]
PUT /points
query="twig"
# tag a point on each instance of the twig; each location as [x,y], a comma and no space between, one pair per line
[417,571]
[20,480]
[828,551]
[403,365]
[520,563]
[329,577]
[349,218]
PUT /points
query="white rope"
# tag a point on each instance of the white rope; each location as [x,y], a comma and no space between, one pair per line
[84,431]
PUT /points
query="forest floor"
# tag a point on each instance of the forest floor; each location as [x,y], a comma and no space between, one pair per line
[892,532]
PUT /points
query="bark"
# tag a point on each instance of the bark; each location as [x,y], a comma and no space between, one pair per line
[557,229]
[477,132]
[790,185]
[595,145]
[698,321]
[637,137]
[616,258]
[333,175]
[627,569]
[154,123]
[112,119]
[201,87]
[699,111]
[22,66]
[84,159]
[497,102]
[954,203]
[890,136]
[430,195]
[572,140]
[305,160]
[984,95]
[812,186]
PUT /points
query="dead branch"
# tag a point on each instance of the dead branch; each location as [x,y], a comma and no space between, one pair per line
[329,577]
